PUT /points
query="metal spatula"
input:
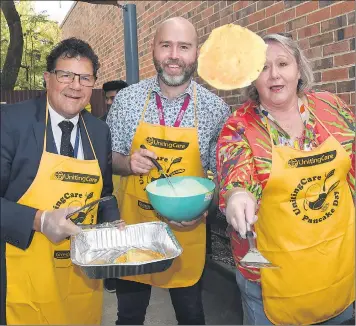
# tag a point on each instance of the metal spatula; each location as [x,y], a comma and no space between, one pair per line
[160,169]
[254,258]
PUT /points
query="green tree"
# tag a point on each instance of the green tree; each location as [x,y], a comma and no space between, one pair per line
[39,36]
[10,64]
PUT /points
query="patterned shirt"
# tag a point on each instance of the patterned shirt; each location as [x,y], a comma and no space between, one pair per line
[126,110]
[282,138]
[245,164]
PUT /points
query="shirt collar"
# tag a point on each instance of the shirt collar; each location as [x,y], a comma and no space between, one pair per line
[56,118]
[157,89]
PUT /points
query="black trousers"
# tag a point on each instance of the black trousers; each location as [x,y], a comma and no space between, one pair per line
[3,282]
[133,299]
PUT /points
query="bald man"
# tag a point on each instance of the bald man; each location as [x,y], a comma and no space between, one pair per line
[178,121]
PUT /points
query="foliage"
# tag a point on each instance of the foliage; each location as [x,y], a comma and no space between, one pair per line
[40,35]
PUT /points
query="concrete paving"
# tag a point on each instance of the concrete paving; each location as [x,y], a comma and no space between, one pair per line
[221,300]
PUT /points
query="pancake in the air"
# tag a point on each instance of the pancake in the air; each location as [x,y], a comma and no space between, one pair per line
[232,57]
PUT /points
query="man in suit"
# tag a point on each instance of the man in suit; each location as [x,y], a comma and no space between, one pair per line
[55,157]
[111,88]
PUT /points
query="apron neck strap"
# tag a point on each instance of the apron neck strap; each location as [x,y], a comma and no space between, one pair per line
[326,129]
[306,105]
[76,144]
[195,106]
[181,112]
[269,130]
[86,130]
[45,130]
[146,104]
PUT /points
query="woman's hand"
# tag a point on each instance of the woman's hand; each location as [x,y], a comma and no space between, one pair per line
[240,209]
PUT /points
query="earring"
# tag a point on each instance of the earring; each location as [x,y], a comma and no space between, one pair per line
[300,84]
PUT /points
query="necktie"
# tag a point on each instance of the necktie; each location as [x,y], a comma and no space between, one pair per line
[66,146]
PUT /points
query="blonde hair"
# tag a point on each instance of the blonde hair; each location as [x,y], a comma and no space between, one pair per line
[306,73]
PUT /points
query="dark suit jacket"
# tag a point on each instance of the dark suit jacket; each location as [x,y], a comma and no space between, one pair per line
[22,134]
[103,117]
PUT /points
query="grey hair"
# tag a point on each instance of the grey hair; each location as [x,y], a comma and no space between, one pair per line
[306,73]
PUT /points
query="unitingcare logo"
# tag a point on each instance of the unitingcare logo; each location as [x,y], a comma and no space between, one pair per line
[167,144]
[312,160]
[75,177]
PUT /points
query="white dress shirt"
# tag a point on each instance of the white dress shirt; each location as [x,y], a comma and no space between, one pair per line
[56,118]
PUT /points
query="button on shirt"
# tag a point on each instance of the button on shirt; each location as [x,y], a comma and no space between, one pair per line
[56,118]
[126,110]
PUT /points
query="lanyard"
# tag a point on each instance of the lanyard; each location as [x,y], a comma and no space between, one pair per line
[76,144]
[180,114]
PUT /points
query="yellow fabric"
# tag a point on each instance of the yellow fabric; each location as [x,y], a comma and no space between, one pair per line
[88,107]
[311,240]
[116,184]
[43,287]
[178,153]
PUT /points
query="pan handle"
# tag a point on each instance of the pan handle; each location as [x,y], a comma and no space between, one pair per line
[250,237]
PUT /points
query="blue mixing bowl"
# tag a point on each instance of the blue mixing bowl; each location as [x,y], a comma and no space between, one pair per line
[180,208]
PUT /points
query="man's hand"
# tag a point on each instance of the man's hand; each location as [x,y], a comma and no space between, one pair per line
[119,224]
[184,224]
[56,227]
[140,162]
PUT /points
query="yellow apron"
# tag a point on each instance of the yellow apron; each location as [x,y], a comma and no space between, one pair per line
[116,184]
[306,226]
[178,153]
[43,287]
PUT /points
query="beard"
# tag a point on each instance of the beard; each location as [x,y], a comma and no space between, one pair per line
[175,80]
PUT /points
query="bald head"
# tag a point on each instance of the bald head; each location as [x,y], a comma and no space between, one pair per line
[179,25]
[175,51]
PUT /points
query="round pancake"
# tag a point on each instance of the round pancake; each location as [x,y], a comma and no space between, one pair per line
[232,57]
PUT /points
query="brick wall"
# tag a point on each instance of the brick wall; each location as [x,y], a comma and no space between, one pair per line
[325,31]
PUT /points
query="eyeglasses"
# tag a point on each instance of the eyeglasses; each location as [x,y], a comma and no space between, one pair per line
[67,77]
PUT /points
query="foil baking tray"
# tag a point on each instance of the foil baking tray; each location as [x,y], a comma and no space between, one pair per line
[95,248]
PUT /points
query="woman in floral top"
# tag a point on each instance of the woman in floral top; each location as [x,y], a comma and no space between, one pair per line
[287,155]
